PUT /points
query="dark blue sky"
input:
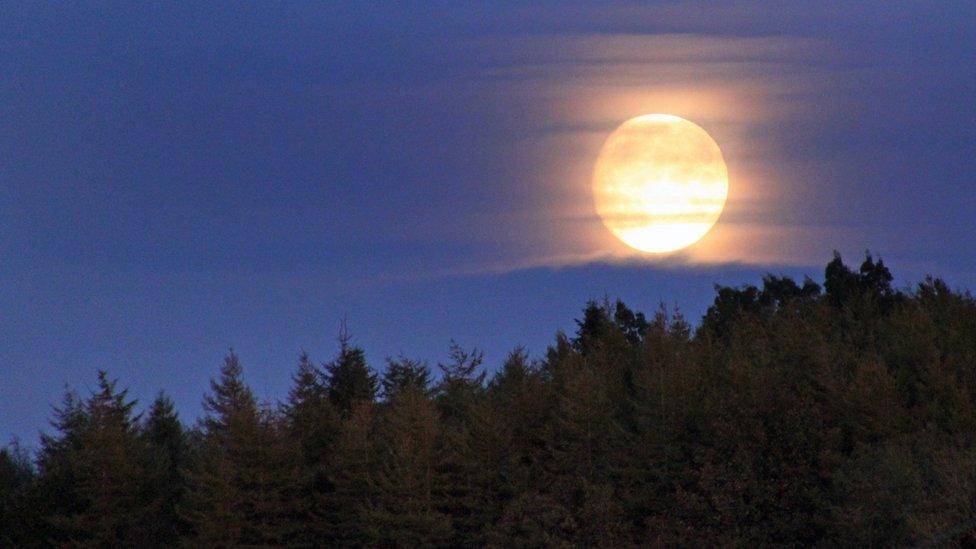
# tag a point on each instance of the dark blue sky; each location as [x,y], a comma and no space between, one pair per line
[177,179]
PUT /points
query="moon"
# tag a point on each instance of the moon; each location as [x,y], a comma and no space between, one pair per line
[660,183]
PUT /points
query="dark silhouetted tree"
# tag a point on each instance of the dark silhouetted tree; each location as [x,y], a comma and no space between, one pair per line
[313,424]
[243,484]
[353,477]
[461,489]
[19,524]
[404,374]
[404,511]
[169,458]
[96,471]
[350,380]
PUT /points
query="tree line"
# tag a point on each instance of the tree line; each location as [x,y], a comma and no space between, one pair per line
[793,414]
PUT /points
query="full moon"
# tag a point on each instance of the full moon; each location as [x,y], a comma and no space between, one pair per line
[660,183]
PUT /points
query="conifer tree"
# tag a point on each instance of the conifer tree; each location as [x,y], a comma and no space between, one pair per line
[313,424]
[312,418]
[404,375]
[169,458]
[462,489]
[513,442]
[461,383]
[533,520]
[18,523]
[350,380]
[352,476]
[56,490]
[840,283]
[585,435]
[243,484]
[404,512]
[98,468]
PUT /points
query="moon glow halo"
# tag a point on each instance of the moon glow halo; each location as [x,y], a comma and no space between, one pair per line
[660,183]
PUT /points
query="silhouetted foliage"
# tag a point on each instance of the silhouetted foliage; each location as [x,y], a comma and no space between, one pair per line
[403,375]
[18,520]
[169,458]
[313,425]
[793,415]
[96,473]
[247,472]
[350,380]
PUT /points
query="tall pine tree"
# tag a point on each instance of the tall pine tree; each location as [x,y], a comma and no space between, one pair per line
[243,484]
[314,425]
[350,380]
[96,472]
[169,457]
[403,512]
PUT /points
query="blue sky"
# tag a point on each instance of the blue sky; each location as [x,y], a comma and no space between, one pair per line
[181,178]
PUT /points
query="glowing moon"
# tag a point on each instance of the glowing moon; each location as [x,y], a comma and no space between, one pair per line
[660,183]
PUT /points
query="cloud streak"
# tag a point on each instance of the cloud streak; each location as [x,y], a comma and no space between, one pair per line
[745,91]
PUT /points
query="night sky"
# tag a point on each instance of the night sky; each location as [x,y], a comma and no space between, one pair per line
[179,179]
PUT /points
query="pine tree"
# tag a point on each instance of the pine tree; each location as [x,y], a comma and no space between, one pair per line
[534,520]
[513,441]
[403,512]
[404,375]
[462,491]
[314,424]
[350,380]
[585,435]
[99,466]
[169,458]
[243,484]
[18,525]
[352,477]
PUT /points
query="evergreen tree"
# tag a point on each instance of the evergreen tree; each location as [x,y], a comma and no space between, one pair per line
[169,457]
[534,520]
[871,283]
[404,512]
[461,384]
[352,476]
[404,375]
[840,283]
[243,483]
[350,380]
[461,492]
[513,443]
[585,435]
[312,418]
[603,322]
[313,423]
[96,472]
[18,525]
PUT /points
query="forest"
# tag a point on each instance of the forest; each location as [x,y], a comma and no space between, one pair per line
[793,413]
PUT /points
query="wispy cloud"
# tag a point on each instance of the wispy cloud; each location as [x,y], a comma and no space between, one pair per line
[745,91]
